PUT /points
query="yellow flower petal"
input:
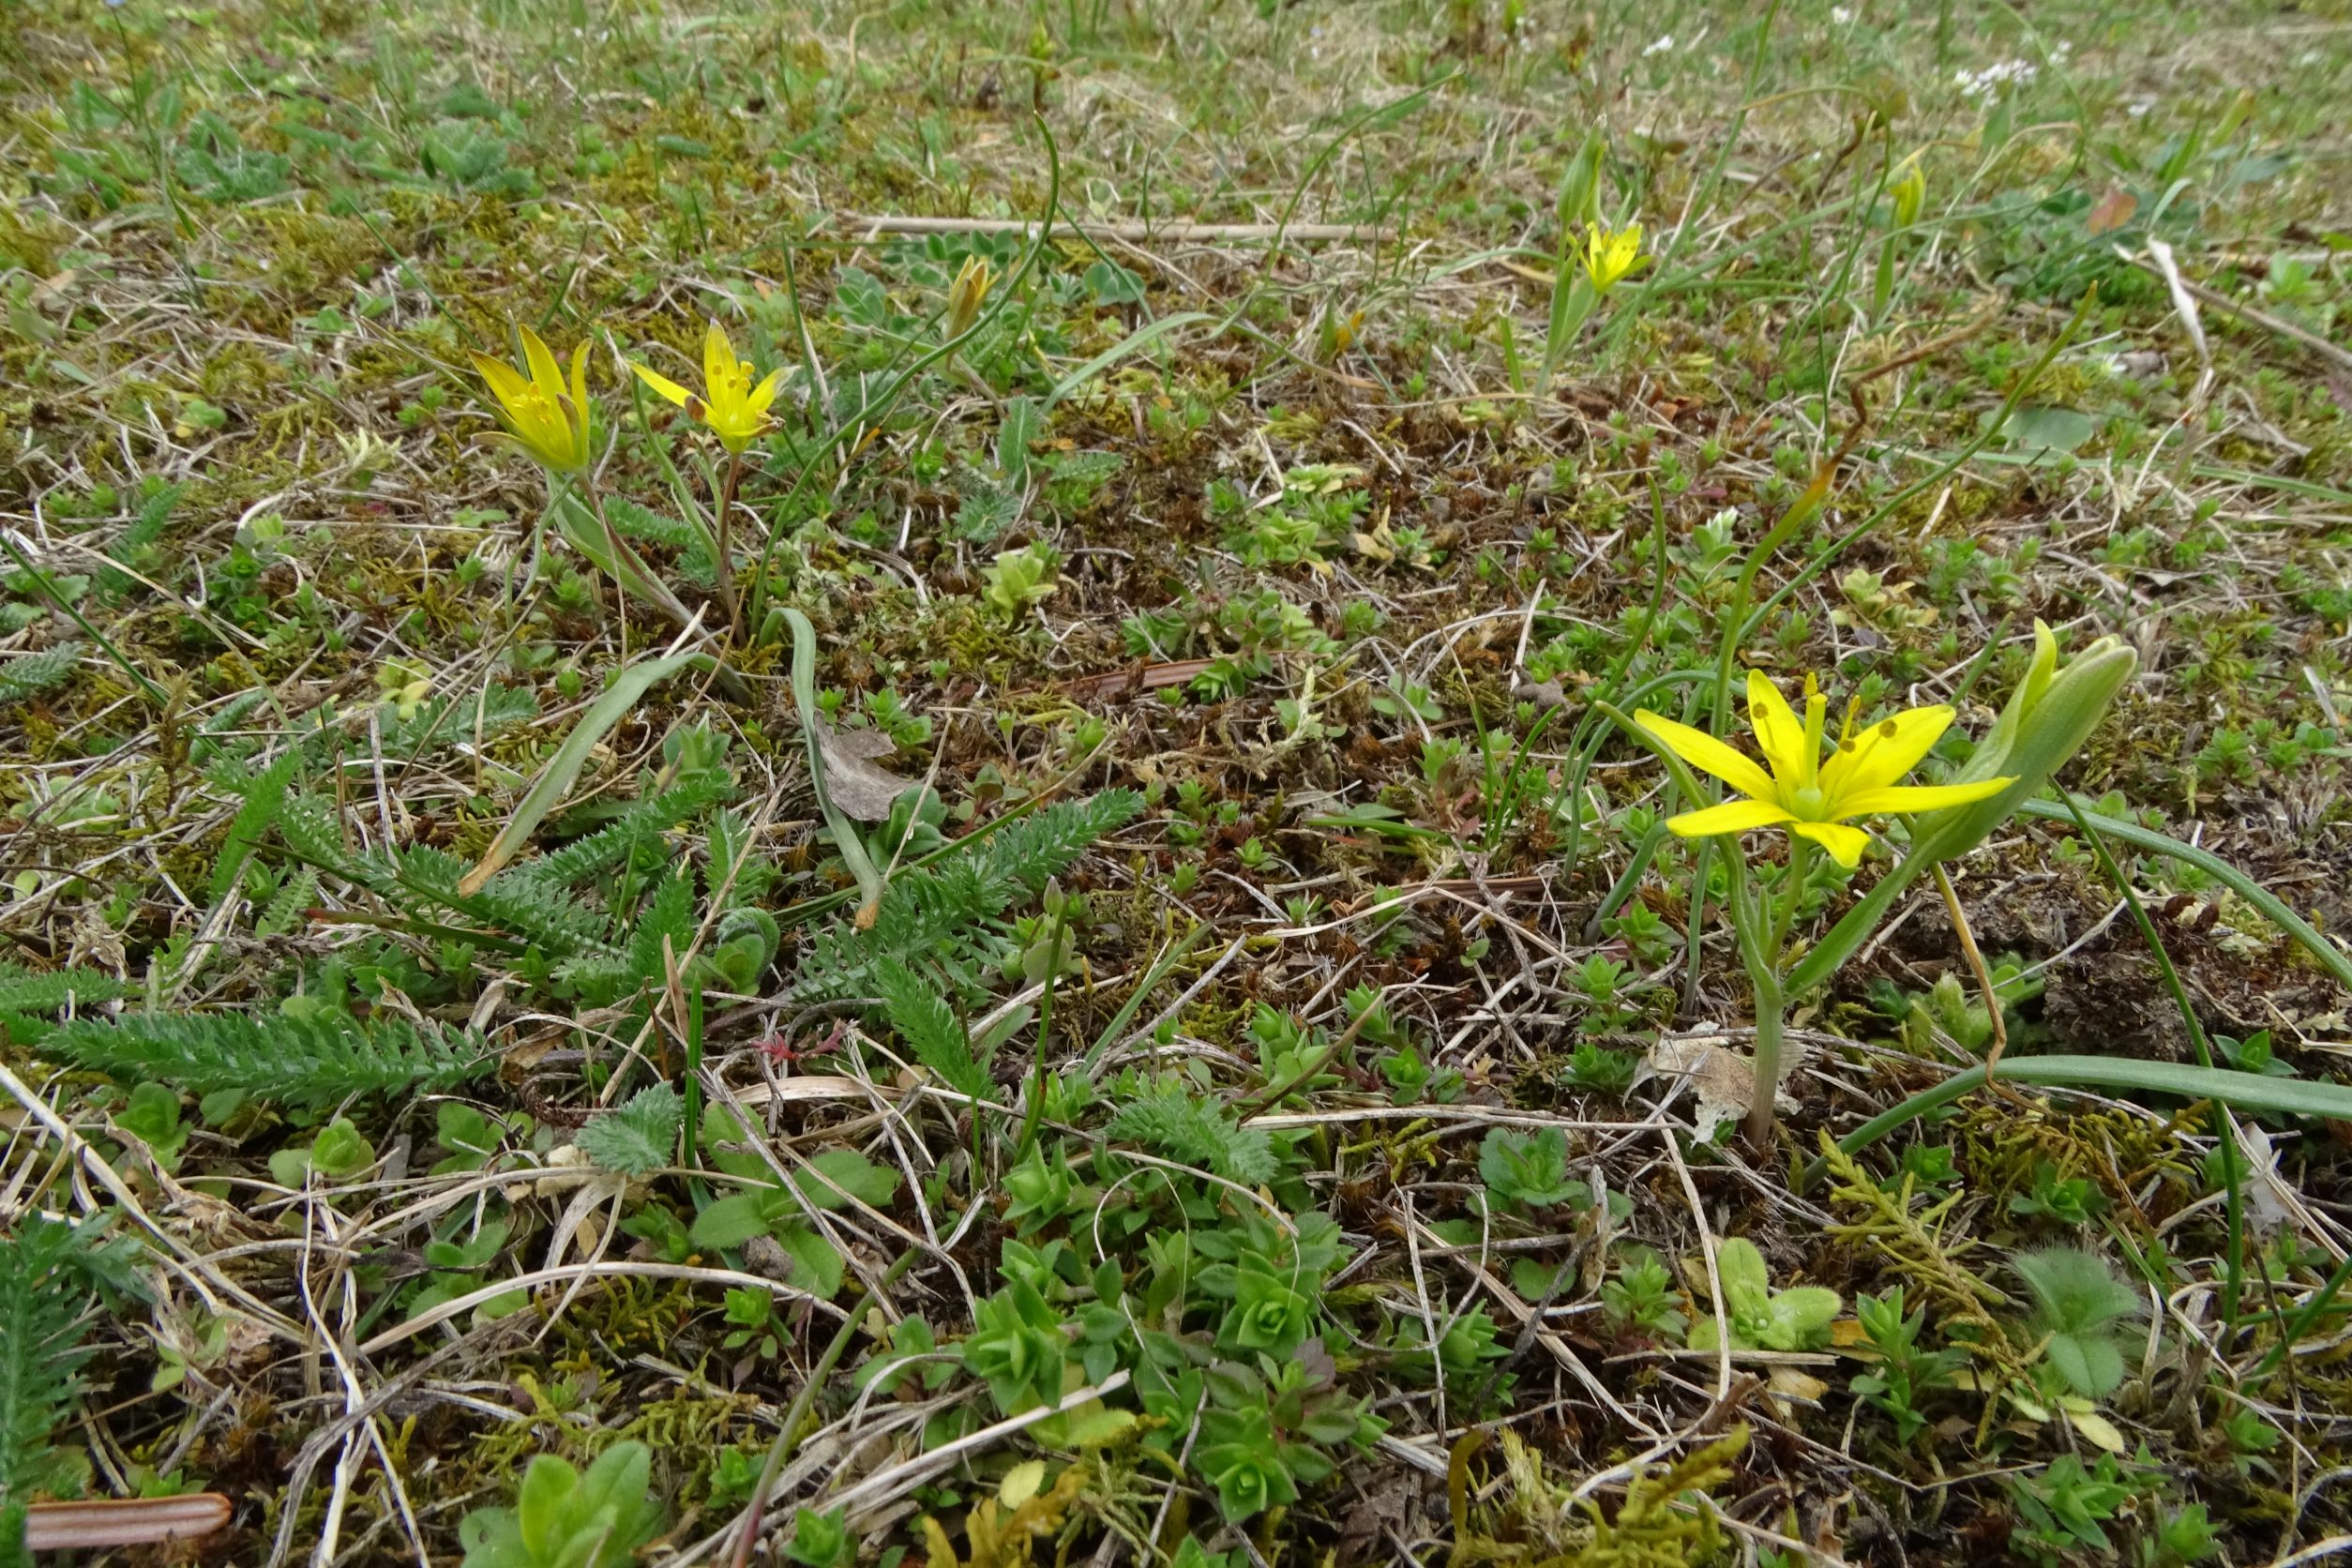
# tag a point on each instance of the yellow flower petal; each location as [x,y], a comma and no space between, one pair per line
[1845,844]
[1918,797]
[1703,751]
[544,374]
[719,360]
[1780,734]
[663,385]
[1732,816]
[505,386]
[1883,753]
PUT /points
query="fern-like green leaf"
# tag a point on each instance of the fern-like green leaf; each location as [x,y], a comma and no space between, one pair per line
[289,905]
[306,826]
[44,1302]
[928,1026]
[1188,1127]
[667,922]
[444,721]
[155,511]
[1045,843]
[540,914]
[24,677]
[943,917]
[611,844]
[214,742]
[637,1139]
[25,990]
[300,1062]
[265,798]
[634,522]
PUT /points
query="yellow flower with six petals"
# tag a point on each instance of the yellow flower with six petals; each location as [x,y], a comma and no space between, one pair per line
[1814,798]
[734,408]
[546,421]
[1610,254]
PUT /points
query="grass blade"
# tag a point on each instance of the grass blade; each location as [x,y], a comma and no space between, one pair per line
[2273,908]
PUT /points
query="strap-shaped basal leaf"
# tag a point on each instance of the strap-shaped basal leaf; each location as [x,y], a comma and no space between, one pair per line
[562,769]
[2271,906]
[2111,1074]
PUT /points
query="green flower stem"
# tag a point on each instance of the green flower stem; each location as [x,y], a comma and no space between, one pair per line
[723,559]
[788,1436]
[1572,306]
[1056,915]
[1882,287]
[1759,933]
[1772,1013]
[1792,894]
[873,414]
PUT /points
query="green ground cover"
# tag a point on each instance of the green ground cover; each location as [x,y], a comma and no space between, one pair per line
[916,783]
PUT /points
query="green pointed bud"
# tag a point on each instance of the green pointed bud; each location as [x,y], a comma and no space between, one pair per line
[2047,719]
[1908,194]
[1580,192]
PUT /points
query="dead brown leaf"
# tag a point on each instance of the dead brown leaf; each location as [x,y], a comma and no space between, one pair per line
[853,780]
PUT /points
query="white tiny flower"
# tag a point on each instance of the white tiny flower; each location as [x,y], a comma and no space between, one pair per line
[1666,41]
[1840,15]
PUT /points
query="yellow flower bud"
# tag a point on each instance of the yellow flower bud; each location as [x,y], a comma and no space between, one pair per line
[1908,194]
[966,295]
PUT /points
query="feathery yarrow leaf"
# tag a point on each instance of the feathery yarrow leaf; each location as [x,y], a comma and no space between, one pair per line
[304,1061]
[943,916]
[930,1028]
[24,677]
[25,990]
[44,1300]
[1188,1127]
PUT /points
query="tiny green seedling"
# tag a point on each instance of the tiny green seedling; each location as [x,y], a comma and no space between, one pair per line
[1759,1317]
[564,1519]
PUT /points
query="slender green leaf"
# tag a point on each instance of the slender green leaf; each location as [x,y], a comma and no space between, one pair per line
[1134,342]
[2272,907]
[563,770]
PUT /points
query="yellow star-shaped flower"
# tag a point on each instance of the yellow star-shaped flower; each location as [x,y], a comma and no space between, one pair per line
[734,408]
[1814,798]
[546,421]
[1610,254]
